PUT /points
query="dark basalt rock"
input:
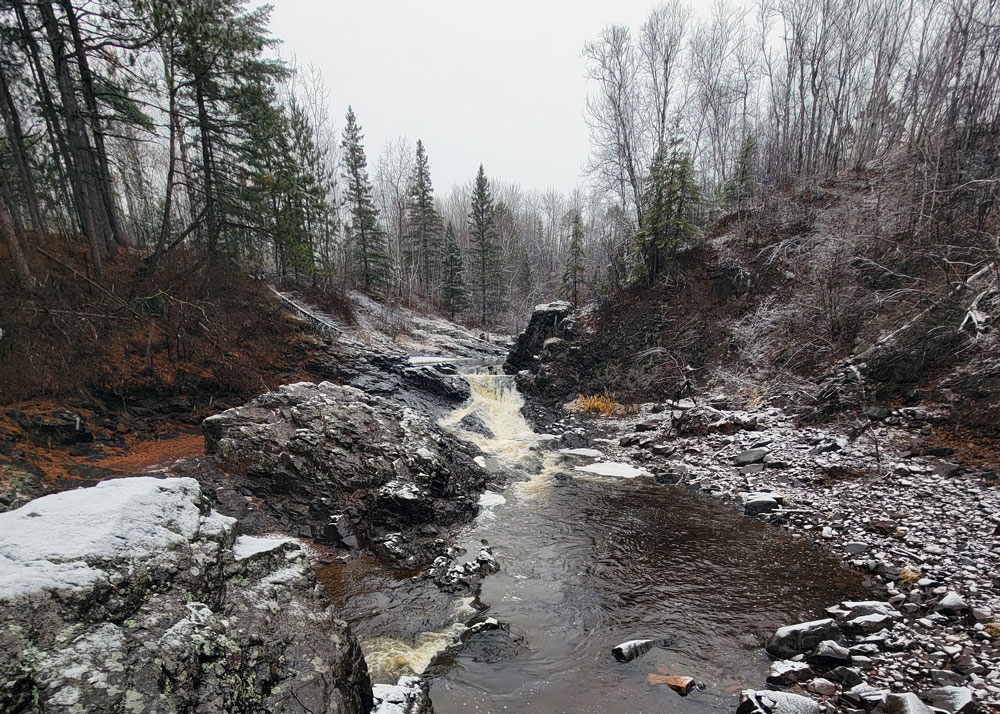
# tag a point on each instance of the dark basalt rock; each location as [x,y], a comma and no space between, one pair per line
[548,321]
[336,462]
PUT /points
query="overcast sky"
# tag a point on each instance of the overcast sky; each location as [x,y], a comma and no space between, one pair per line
[499,83]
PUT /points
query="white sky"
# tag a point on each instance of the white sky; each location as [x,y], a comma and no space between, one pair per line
[499,83]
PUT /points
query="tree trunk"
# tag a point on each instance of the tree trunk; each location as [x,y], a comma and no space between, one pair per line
[103,179]
[83,172]
[15,137]
[14,245]
[54,132]
[211,215]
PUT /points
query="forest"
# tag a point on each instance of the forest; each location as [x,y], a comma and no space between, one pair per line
[152,127]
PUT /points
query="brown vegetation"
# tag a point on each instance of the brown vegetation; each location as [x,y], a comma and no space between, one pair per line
[140,360]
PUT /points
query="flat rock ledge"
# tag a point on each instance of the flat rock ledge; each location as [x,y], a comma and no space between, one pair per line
[134,596]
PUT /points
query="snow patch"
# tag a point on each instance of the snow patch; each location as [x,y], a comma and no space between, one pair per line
[613,470]
[249,546]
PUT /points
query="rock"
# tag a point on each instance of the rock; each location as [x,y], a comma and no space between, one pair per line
[53,428]
[846,676]
[135,595]
[628,651]
[410,695]
[829,654]
[945,677]
[648,425]
[823,687]
[756,503]
[679,683]
[800,638]
[951,604]
[855,547]
[751,456]
[954,700]
[908,703]
[547,321]
[312,452]
[467,576]
[786,673]
[768,702]
[865,696]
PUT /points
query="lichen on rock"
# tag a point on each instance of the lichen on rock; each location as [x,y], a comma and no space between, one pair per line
[135,596]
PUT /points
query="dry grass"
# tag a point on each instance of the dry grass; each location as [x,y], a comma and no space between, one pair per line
[605,404]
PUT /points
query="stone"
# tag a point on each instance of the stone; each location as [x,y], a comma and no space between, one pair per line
[679,683]
[954,700]
[951,604]
[410,695]
[751,456]
[768,702]
[628,651]
[823,687]
[846,676]
[908,703]
[309,453]
[648,425]
[801,638]
[547,321]
[829,654]
[105,591]
[855,547]
[756,503]
[785,673]
[945,677]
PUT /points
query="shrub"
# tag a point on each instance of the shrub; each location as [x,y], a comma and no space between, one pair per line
[603,405]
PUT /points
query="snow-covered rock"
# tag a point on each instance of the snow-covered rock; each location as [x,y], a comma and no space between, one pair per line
[135,596]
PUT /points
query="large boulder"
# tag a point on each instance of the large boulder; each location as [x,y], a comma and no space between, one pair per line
[800,638]
[548,321]
[768,702]
[134,595]
[330,462]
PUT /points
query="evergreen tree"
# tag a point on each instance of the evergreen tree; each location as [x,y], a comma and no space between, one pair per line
[424,225]
[739,189]
[672,200]
[454,296]
[488,285]
[572,274]
[373,266]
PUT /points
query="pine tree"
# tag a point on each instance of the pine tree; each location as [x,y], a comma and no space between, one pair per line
[373,266]
[454,296]
[672,201]
[572,274]
[488,286]
[424,225]
[740,188]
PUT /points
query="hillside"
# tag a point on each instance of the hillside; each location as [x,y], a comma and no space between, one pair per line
[109,376]
[815,300]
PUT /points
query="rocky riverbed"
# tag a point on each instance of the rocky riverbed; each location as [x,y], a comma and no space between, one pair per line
[924,529]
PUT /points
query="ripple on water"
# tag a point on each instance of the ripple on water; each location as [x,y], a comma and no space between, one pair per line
[588,562]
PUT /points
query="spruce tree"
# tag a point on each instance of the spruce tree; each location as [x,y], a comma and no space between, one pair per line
[572,274]
[672,201]
[488,277]
[454,296]
[424,234]
[373,266]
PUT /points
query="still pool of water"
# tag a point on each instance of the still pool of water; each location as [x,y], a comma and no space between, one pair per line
[588,562]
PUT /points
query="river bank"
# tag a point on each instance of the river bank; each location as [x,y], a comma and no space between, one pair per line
[920,526]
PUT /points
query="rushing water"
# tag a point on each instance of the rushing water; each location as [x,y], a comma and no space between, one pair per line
[587,563]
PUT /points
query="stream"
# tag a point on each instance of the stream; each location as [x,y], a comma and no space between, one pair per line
[587,561]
